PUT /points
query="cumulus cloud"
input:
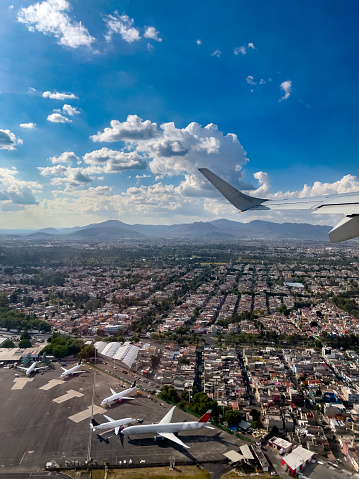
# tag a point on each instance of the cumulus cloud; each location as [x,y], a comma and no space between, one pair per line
[15,191]
[8,140]
[50,18]
[123,25]
[286,86]
[66,157]
[198,41]
[29,126]
[55,95]
[264,182]
[131,129]
[68,176]
[58,118]
[153,34]
[244,49]
[217,53]
[70,110]
[347,184]
[116,160]
[173,151]
[250,80]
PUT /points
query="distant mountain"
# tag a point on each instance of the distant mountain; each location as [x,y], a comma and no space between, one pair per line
[103,232]
[217,229]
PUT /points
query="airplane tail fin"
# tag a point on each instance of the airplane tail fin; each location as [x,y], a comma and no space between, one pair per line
[134,384]
[79,362]
[93,423]
[239,200]
[205,417]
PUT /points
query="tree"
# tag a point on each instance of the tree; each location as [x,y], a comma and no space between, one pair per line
[88,351]
[25,335]
[24,343]
[8,344]
[232,417]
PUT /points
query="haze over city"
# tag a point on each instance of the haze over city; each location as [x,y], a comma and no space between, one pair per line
[108,108]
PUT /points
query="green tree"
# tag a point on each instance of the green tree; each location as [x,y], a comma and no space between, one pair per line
[8,344]
[24,343]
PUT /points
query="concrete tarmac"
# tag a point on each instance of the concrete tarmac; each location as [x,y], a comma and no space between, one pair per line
[37,425]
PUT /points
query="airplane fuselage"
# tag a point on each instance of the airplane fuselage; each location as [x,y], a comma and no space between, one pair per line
[113,424]
[116,397]
[158,428]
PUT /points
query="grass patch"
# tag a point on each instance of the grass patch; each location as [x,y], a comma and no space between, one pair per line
[185,472]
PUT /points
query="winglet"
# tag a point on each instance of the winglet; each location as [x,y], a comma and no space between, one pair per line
[205,417]
[239,200]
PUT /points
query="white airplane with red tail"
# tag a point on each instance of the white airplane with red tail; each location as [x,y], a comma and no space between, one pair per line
[166,429]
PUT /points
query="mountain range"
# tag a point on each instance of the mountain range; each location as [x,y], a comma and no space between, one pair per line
[217,229]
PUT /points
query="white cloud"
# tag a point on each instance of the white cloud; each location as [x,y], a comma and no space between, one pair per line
[286,86]
[239,50]
[347,184]
[8,140]
[131,129]
[29,126]
[152,34]
[70,110]
[250,80]
[217,53]
[11,7]
[66,157]
[116,160]
[57,118]
[264,182]
[244,49]
[68,176]
[172,151]
[138,177]
[59,96]
[198,41]
[123,25]
[49,18]
[15,191]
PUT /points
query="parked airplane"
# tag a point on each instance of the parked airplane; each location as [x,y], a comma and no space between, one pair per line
[118,397]
[347,204]
[117,425]
[32,368]
[73,370]
[165,428]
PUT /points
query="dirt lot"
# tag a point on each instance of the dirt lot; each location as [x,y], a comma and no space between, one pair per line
[185,472]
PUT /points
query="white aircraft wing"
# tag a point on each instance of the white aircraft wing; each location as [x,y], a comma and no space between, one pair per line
[168,417]
[347,204]
[125,397]
[78,372]
[108,418]
[64,369]
[172,437]
[42,367]
[113,392]
[21,367]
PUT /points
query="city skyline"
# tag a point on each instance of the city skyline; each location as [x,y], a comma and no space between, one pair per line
[108,109]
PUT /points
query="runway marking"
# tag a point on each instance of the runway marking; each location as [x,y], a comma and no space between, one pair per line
[82,415]
[69,395]
[51,384]
[20,382]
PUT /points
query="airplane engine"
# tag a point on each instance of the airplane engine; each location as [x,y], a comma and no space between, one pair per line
[346,229]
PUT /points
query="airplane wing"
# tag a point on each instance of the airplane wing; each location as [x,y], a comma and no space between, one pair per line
[78,372]
[125,397]
[168,417]
[347,204]
[21,367]
[172,437]
[64,369]
[108,418]
[112,391]
[42,367]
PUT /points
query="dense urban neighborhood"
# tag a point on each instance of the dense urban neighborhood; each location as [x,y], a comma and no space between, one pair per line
[265,334]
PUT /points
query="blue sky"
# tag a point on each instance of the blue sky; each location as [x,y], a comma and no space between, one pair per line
[107,108]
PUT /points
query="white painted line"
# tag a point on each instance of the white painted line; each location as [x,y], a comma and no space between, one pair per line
[69,395]
[82,415]
[20,382]
[51,384]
